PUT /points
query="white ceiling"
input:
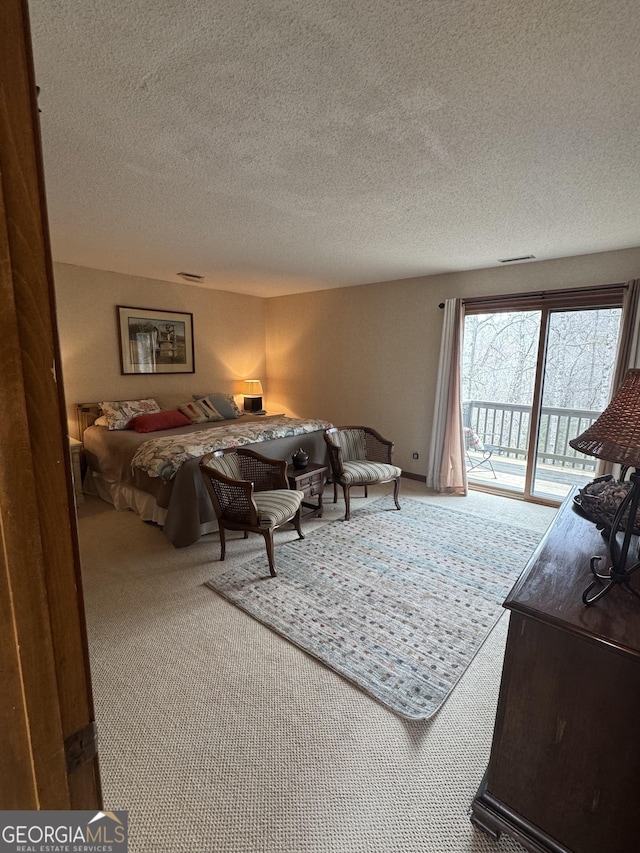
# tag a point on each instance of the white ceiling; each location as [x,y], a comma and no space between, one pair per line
[280,146]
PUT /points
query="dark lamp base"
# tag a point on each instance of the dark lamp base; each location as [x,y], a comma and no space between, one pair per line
[619,570]
[253,405]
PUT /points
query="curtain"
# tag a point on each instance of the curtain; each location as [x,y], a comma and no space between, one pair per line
[446,471]
[628,354]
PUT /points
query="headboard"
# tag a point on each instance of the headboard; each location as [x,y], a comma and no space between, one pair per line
[86,413]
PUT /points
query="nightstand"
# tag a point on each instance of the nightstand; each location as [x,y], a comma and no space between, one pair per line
[76,448]
[309,480]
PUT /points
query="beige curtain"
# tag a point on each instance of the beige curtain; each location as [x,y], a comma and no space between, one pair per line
[628,354]
[446,471]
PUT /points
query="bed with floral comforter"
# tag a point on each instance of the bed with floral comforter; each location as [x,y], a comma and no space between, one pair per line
[162,457]
[157,475]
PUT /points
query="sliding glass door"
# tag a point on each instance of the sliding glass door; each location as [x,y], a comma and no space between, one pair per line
[498,381]
[532,379]
[579,362]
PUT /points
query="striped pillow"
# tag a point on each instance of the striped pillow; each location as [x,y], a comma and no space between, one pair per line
[200,412]
[224,403]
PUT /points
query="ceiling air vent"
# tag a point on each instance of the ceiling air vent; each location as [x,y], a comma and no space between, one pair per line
[513,260]
[190,276]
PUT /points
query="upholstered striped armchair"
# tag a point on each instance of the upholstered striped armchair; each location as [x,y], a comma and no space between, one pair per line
[250,492]
[360,456]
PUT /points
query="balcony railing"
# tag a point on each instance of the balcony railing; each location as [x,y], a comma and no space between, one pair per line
[506,427]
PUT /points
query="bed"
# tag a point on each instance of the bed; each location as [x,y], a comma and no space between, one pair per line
[156,474]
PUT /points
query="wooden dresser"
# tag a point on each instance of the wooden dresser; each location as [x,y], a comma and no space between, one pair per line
[564,769]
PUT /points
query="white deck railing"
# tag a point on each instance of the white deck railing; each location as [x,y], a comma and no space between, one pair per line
[506,426]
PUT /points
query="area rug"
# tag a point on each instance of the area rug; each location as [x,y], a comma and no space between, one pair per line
[396,602]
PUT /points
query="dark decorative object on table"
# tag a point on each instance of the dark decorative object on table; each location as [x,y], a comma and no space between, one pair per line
[300,458]
[600,500]
[615,436]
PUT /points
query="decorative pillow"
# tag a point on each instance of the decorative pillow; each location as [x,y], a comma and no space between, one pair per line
[155,421]
[200,412]
[353,444]
[120,412]
[224,403]
[101,421]
[472,440]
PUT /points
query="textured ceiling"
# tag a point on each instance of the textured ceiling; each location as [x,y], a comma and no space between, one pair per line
[280,146]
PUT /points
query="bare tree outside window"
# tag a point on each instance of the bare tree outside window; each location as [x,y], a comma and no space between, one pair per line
[499,368]
[500,357]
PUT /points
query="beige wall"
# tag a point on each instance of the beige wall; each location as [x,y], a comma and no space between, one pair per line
[228,329]
[369,354]
[366,354]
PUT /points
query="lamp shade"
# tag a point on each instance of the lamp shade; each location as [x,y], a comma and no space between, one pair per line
[252,388]
[615,435]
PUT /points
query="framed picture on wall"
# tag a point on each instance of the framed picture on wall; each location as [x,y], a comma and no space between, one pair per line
[155,341]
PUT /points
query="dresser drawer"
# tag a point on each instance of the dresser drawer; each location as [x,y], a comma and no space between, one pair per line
[311,484]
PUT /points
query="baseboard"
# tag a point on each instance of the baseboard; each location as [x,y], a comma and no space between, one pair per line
[419,477]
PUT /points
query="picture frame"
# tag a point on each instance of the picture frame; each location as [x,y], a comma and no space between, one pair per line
[153,341]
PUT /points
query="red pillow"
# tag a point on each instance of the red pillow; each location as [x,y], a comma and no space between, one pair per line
[158,420]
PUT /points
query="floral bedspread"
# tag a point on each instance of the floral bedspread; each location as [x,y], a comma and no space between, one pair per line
[161,457]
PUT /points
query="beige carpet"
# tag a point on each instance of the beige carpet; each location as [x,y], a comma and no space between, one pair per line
[218,736]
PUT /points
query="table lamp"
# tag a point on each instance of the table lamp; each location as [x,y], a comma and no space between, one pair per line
[252,391]
[615,436]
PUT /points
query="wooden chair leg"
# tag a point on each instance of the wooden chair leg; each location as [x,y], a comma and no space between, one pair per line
[366,491]
[347,503]
[396,491]
[297,518]
[223,542]
[335,492]
[268,541]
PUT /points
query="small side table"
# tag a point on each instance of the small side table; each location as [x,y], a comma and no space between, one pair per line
[309,480]
[76,449]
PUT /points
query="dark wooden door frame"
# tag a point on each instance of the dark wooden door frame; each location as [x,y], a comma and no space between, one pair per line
[45,693]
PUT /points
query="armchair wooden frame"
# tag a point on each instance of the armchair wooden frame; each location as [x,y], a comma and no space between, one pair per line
[378,449]
[234,500]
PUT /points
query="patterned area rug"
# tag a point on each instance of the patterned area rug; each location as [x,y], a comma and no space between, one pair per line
[397,602]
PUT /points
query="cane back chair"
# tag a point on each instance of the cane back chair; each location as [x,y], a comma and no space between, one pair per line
[360,456]
[250,493]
